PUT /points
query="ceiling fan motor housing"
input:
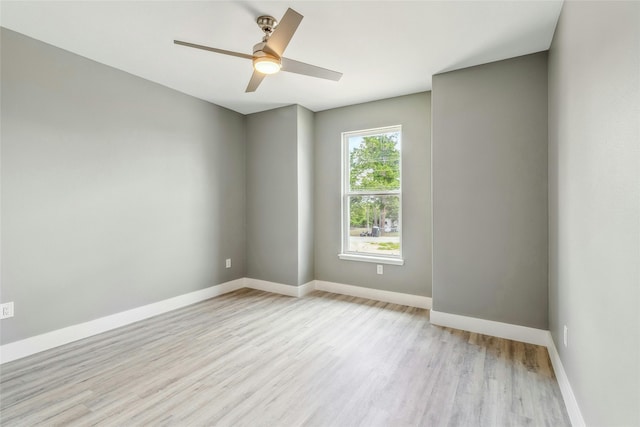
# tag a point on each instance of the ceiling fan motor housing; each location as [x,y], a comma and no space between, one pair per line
[262,59]
[259,50]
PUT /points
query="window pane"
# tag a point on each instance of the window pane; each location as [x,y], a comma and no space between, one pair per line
[374,162]
[374,225]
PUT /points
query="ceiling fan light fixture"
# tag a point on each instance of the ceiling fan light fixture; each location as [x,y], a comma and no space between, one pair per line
[267,64]
[267,54]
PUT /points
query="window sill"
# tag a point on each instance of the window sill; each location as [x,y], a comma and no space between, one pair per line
[370,258]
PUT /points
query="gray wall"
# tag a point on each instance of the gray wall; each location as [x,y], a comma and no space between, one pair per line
[306,214]
[272,195]
[413,112]
[594,206]
[490,191]
[280,195]
[116,192]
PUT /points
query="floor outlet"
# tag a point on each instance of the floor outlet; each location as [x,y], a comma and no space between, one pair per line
[228,263]
[379,269]
[6,310]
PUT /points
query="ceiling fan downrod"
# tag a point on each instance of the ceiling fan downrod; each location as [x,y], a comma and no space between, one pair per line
[267,24]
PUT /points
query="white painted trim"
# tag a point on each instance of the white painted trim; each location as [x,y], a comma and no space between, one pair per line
[375,294]
[279,288]
[370,258]
[565,387]
[306,288]
[46,341]
[490,327]
[273,287]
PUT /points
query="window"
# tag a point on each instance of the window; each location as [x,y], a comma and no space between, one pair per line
[372,195]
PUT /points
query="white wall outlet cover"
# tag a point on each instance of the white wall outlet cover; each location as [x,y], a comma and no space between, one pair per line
[566,333]
[6,310]
[227,263]
[379,269]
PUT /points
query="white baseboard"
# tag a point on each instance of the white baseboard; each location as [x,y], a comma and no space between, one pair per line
[339,288]
[306,288]
[374,294]
[46,341]
[490,327]
[565,387]
[279,288]
[273,287]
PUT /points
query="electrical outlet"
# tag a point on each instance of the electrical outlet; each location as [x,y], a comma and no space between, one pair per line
[6,310]
[227,263]
[566,335]
[379,269]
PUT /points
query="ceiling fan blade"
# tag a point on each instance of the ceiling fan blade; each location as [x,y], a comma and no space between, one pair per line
[213,49]
[281,36]
[298,67]
[256,79]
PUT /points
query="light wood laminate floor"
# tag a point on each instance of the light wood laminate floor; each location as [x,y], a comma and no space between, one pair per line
[251,358]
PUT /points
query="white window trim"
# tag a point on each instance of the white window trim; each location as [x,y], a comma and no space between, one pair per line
[345,194]
[377,259]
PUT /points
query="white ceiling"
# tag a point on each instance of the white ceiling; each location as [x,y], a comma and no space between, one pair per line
[384,48]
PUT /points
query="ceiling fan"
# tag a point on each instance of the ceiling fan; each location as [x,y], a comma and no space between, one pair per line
[267,55]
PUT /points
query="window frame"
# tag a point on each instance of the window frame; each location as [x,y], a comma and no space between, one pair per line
[346,193]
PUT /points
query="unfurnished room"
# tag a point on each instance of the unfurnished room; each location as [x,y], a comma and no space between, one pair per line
[320,213]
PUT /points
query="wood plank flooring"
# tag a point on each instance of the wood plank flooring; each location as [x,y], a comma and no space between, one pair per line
[251,358]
